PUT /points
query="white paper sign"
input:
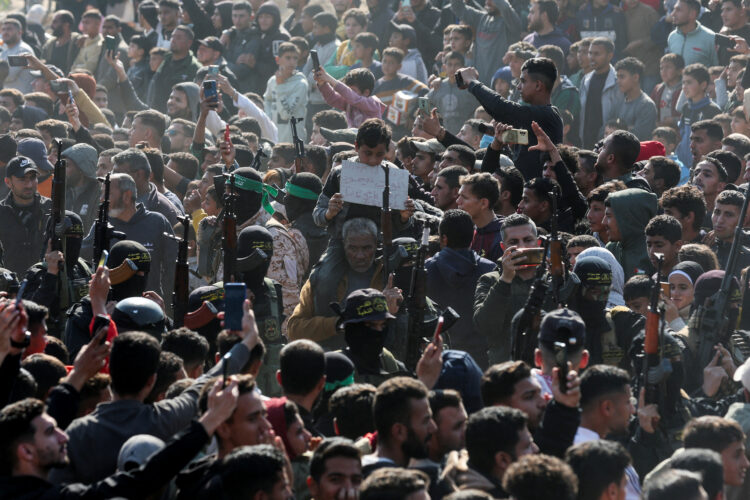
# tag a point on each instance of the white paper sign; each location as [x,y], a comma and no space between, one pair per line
[364,185]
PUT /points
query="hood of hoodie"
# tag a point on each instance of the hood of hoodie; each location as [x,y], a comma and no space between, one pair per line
[272,9]
[85,158]
[633,209]
[455,265]
[618,275]
[192,91]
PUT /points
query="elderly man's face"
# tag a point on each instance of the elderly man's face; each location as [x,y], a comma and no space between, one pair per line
[360,251]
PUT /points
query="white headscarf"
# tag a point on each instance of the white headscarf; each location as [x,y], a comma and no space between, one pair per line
[618,275]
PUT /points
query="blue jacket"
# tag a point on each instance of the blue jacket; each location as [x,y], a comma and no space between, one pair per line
[452,276]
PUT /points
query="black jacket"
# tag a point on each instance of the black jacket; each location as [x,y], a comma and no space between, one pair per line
[23,243]
[137,483]
[520,116]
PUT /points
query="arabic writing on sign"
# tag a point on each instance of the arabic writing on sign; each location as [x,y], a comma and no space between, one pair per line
[364,184]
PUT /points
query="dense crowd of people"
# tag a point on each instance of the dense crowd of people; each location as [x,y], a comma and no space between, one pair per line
[342,250]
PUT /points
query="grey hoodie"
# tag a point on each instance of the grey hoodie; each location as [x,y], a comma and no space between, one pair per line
[192,91]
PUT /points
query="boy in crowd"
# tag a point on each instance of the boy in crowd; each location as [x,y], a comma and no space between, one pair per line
[637,110]
[695,80]
[286,94]
[393,80]
[477,196]
[667,136]
[460,41]
[666,94]
[454,105]
[661,174]
[664,236]
[404,37]
[353,95]
[365,45]
[688,206]
[710,177]
[324,32]
[725,217]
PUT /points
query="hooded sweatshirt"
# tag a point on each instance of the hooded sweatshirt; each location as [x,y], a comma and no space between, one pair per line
[633,209]
[263,48]
[192,91]
[452,277]
[83,200]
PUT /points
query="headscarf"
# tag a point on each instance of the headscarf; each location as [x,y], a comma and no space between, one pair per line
[618,275]
[689,269]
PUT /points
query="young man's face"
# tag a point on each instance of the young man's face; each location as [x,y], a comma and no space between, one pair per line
[341,476]
[668,71]
[732,17]
[421,428]
[49,443]
[623,409]
[240,19]
[692,88]
[176,103]
[390,66]
[423,164]
[89,25]
[599,57]
[682,14]
[659,244]
[527,397]
[627,81]
[583,59]
[248,424]
[573,253]
[638,305]
[316,137]
[515,65]
[534,18]
[735,463]
[371,156]
[471,203]
[701,144]
[535,208]
[23,188]
[706,178]
[467,134]
[265,22]
[451,428]
[647,172]
[529,87]
[610,222]
[444,195]
[725,218]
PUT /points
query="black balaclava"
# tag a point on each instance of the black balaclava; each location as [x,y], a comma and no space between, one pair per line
[247,202]
[72,236]
[250,239]
[138,255]
[366,344]
[302,191]
[594,272]
[402,274]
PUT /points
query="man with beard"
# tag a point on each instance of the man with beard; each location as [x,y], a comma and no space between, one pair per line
[23,215]
[617,154]
[48,287]
[144,227]
[33,445]
[725,218]
[129,263]
[254,253]
[496,437]
[542,19]
[552,422]
[710,177]
[179,66]
[403,420]
[363,318]
[62,46]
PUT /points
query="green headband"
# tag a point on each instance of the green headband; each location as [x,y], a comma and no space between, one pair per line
[300,192]
[331,386]
[257,187]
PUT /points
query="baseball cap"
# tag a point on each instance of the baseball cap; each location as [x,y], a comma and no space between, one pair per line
[36,151]
[348,135]
[212,43]
[565,326]
[19,166]
[431,146]
[137,450]
[362,305]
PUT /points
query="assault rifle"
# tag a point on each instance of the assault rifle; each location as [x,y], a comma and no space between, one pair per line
[522,344]
[652,340]
[417,302]
[181,291]
[103,230]
[715,327]
[299,145]
[229,232]
[386,224]
[56,228]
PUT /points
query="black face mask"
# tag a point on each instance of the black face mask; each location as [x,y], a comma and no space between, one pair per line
[72,251]
[402,278]
[365,343]
[134,287]
[254,279]
[295,208]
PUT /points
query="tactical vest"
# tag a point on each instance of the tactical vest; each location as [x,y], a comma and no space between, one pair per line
[269,314]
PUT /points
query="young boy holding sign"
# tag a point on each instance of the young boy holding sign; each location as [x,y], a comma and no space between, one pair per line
[372,143]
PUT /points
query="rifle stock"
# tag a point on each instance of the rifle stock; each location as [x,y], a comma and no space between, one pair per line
[299,145]
[651,341]
[57,219]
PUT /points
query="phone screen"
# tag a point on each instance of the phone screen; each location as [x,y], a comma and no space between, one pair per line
[234,297]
